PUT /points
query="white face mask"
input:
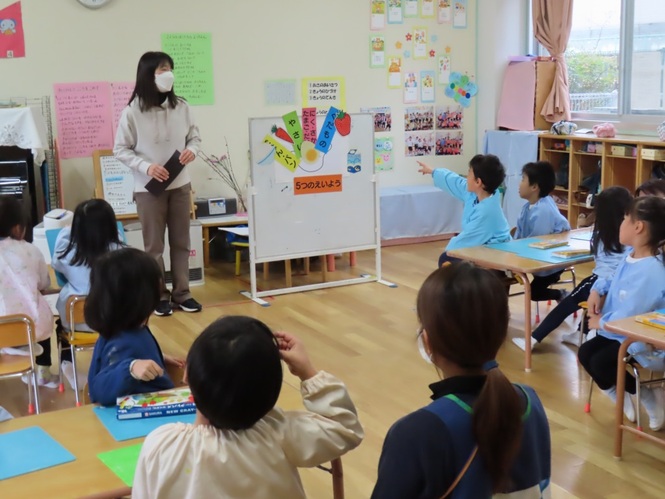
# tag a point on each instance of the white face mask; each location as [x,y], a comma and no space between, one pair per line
[421,349]
[164,81]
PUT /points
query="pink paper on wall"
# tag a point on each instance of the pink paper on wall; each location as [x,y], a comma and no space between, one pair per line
[83,114]
[120,94]
[516,108]
[309,124]
[12,41]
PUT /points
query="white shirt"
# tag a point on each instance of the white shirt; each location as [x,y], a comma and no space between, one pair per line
[144,138]
[183,461]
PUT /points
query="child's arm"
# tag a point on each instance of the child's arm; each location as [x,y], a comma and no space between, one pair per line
[331,428]
[446,180]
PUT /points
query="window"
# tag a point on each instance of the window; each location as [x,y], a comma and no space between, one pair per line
[616,58]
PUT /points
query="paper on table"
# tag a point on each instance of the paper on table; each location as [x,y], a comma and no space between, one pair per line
[238,231]
[135,428]
[28,450]
[122,462]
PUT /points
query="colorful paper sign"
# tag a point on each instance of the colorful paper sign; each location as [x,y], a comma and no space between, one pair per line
[410,8]
[283,156]
[309,124]
[426,8]
[427,86]
[323,93]
[292,124]
[459,14]
[445,13]
[317,184]
[394,72]
[420,43]
[120,95]
[192,58]
[395,12]
[377,51]
[83,114]
[324,140]
[377,20]
[444,70]
[410,88]
[384,158]
[461,89]
[12,38]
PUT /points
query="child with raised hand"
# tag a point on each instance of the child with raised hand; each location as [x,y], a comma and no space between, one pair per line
[125,287]
[609,207]
[539,217]
[481,435]
[93,232]
[483,221]
[638,287]
[23,277]
[240,444]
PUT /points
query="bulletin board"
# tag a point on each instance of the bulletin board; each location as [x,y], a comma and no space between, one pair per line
[327,204]
[114,182]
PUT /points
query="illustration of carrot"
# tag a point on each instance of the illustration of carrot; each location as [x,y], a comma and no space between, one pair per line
[280,133]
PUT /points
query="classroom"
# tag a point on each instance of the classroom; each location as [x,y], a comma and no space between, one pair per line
[325,157]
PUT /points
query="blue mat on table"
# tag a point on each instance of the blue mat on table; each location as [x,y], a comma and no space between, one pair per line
[135,428]
[30,449]
[521,248]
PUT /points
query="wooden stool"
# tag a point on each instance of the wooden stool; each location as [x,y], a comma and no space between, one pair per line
[240,246]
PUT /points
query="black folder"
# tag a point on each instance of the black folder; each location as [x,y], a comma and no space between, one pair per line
[174,167]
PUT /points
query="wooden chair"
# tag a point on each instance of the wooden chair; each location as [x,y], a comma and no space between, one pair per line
[337,473]
[240,246]
[78,340]
[16,330]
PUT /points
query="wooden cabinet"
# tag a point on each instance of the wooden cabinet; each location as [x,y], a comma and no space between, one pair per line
[581,159]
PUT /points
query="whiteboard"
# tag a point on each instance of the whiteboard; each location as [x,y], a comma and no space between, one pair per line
[115,183]
[286,225]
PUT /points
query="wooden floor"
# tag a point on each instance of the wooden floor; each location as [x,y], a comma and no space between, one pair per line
[365,334]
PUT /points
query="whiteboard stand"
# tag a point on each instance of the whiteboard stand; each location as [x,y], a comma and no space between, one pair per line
[285,226]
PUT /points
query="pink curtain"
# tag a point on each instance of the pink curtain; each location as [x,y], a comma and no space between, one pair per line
[552,20]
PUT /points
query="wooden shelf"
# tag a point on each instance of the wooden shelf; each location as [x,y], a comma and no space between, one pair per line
[581,205]
[565,151]
[622,157]
[563,207]
[561,189]
[584,153]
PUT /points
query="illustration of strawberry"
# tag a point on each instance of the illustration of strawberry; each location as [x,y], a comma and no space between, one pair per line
[280,133]
[343,123]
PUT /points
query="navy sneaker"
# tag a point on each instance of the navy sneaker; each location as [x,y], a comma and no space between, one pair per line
[190,305]
[164,308]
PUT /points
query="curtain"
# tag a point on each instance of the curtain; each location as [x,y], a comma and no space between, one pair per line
[552,20]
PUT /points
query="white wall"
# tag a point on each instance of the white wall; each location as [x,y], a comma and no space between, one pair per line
[502,32]
[253,42]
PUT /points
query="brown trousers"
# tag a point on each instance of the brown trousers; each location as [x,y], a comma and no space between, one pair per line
[156,213]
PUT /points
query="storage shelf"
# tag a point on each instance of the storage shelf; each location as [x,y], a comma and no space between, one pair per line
[561,189]
[564,151]
[563,207]
[584,153]
[622,157]
[581,205]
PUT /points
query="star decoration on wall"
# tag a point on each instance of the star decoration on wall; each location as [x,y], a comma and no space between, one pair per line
[398,45]
[408,37]
[432,53]
[448,50]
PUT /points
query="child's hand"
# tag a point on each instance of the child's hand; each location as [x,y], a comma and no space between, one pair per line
[145,370]
[293,353]
[594,321]
[174,361]
[424,169]
[595,303]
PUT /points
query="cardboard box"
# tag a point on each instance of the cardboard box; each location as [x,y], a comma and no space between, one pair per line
[654,154]
[619,150]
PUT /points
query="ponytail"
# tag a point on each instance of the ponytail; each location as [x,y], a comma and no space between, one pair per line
[497,427]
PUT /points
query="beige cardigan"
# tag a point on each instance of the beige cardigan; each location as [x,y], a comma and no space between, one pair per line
[184,461]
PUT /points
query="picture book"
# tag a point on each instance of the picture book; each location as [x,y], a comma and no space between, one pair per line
[156,404]
[655,319]
[548,244]
[573,253]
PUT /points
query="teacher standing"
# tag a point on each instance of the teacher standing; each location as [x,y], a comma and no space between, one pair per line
[156,123]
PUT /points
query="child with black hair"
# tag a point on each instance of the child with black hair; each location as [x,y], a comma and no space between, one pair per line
[652,187]
[125,288]
[483,221]
[609,208]
[240,444]
[637,287]
[539,217]
[93,232]
[23,277]
[481,435]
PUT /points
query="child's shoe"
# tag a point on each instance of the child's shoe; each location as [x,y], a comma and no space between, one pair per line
[44,378]
[23,351]
[628,407]
[654,403]
[522,344]
[68,370]
[573,338]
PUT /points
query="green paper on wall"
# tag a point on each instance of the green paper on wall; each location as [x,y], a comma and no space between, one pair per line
[122,462]
[192,60]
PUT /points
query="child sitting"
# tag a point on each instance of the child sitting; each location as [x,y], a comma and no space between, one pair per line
[652,187]
[638,287]
[125,287]
[483,221]
[481,435]
[240,444]
[94,231]
[23,276]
